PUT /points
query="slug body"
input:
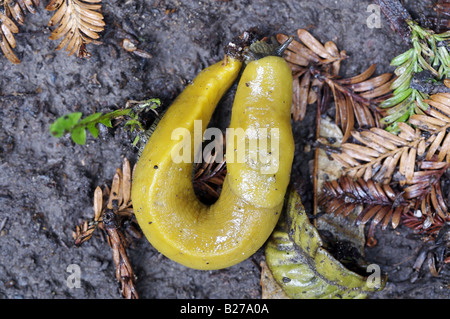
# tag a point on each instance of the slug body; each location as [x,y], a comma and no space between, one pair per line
[223,234]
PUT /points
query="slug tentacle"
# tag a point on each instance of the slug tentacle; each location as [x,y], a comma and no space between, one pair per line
[283,46]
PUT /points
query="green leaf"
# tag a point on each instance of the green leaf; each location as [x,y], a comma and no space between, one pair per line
[70,123]
[56,130]
[133,124]
[442,36]
[393,128]
[403,77]
[400,116]
[444,56]
[91,118]
[402,106]
[403,67]
[136,140]
[92,127]
[303,268]
[402,58]
[424,64]
[421,104]
[106,121]
[64,124]
[72,118]
[396,99]
[403,86]
[79,135]
[151,103]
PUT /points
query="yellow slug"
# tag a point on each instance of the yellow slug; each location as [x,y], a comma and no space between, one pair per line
[223,234]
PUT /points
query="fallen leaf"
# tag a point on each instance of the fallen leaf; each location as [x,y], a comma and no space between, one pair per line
[270,288]
[328,170]
[302,267]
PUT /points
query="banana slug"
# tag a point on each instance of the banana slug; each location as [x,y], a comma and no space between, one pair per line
[227,232]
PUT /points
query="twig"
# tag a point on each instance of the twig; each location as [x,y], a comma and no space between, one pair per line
[2,225]
[316,156]
[397,15]
[17,95]
[124,271]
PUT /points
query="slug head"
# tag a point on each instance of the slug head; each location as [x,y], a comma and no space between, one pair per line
[261,49]
[236,47]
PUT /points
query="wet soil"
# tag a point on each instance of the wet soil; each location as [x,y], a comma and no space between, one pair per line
[47,184]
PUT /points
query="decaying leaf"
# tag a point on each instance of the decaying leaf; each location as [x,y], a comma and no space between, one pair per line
[381,204]
[315,68]
[269,286]
[130,45]
[109,216]
[118,243]
[209,175]
[376,153]
[117,199]
[330,137]
[303,268]
[7,43]
[326,169]
[407,166]
[17,9]
[78,22]
[13,10]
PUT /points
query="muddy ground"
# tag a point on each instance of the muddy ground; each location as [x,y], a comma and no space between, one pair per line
[47,184]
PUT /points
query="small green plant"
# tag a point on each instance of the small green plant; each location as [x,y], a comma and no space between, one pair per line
[76,126]
[430,53]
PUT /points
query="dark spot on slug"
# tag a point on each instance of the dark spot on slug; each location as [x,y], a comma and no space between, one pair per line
[247,84]
[150,223]
[155,167]
[286,279]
